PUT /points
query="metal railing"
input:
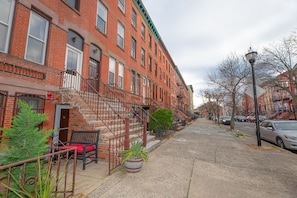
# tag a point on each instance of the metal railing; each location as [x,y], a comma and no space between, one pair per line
[56,164]
[111,109]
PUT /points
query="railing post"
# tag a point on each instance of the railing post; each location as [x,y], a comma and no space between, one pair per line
[127,134]
[144,131]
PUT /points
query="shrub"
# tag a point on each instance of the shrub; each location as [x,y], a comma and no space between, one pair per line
[161,118]
[24,140]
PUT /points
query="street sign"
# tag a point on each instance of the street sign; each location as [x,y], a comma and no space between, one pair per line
[250,91]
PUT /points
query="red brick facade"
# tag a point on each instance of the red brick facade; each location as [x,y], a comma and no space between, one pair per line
[19,74]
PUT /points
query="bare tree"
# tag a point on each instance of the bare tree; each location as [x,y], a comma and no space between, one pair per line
[208,104]
[279,63]
[230,77]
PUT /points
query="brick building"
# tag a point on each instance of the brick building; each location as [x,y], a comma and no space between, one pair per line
[98,46]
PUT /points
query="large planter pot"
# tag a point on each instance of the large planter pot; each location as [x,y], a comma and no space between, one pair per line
[133,165]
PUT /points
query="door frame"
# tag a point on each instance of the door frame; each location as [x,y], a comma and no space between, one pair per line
[57,122]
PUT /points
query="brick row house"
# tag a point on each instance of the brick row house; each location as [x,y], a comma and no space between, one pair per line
[276,102]
[59,55]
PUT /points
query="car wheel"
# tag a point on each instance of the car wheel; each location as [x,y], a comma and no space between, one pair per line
[280,143]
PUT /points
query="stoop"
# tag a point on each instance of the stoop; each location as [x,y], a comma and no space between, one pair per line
[152,143]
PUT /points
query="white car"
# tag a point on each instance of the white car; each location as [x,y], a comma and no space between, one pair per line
[280,132]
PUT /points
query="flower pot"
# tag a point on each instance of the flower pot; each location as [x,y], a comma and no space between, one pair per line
[133,165]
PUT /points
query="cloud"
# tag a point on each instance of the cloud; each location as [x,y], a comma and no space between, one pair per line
[199,34]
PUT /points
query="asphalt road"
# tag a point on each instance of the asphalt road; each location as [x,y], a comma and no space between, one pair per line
[248,128]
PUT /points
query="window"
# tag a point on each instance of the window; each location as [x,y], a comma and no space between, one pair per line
[36,102]
[156,69]
[101,17]
[121,33]
[111,73]
[142,31]
[37,36]
[133,82]
[138,84]
[6,14]
[121,76]
[133,48]
[142,57]
[3,99]
[73,3]
[134,17]
[121,5]
[150,63]
[160,73]
[150,41]
[156,49]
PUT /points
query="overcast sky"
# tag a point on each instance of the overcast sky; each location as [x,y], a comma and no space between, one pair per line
[199,34]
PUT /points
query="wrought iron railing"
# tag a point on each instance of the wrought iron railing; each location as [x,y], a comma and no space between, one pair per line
[56,165]
[111,109]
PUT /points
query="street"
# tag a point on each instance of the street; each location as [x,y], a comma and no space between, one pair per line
[248,128]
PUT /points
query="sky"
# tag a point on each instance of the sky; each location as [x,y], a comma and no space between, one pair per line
[200,34]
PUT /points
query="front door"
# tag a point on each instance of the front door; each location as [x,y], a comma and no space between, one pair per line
[64,120]
[61,124]
[73,67]
[94,75]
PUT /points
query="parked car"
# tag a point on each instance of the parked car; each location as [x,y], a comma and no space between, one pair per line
[280,132]
[240,118]
[225,120]
[251,118]
[262,118]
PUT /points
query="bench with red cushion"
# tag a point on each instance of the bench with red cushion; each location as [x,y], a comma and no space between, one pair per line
[86,144]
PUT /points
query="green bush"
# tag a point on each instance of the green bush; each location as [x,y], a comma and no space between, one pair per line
[24,140]
[161,118]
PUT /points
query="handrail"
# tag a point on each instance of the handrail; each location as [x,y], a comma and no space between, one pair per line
[59,168]
[89,94]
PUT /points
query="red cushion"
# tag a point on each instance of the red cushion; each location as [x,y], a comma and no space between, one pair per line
[80,148]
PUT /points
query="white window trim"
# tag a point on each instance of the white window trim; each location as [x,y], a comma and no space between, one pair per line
[44,41]
[8,24]
[111,69]
[120,74]
[121,35]
[122,5]
[105,16]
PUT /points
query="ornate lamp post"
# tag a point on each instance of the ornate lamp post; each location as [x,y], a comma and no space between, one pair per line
[251,57]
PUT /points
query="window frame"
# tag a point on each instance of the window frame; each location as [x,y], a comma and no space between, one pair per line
[99,16]
[8,25]
[142,31]
[138,84]
[143,57]
[111,71]
[73,3]
[122,5]
[134,18]
[34,38]
[120,35]
[121,75]
[133,81]
[133,48]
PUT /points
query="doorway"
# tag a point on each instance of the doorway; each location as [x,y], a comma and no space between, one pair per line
[61,124]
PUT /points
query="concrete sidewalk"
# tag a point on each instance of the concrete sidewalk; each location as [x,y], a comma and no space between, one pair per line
[203,160]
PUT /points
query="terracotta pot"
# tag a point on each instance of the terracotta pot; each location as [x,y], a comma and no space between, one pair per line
[133,165]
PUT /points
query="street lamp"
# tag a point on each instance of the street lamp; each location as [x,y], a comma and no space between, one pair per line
[251,57]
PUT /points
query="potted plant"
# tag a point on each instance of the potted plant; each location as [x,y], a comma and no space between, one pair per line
[133,158]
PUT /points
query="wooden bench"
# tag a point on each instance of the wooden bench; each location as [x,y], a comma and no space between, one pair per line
[86,143]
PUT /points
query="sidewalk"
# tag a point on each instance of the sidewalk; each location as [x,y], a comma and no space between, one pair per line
[203,160]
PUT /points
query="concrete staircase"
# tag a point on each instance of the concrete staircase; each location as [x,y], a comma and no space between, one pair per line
[109,120]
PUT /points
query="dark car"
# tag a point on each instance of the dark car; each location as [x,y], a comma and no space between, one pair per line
[251,118]
[225,120]
[240,118]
